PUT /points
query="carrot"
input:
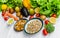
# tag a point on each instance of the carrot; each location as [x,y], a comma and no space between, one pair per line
[12,16]
[5,15]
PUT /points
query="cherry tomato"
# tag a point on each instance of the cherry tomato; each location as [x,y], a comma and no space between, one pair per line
[31,17]
[45,32]
[5,18]
[37,15]
[54,15]
[46,21]
[3,13]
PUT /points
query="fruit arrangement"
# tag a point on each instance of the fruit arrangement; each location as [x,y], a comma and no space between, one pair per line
[41,9]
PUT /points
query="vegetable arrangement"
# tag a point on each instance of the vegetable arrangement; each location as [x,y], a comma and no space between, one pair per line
[41,9]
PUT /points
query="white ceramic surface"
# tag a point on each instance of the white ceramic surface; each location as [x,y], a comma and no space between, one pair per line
[8,31]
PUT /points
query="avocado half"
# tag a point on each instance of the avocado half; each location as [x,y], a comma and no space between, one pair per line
[29,22]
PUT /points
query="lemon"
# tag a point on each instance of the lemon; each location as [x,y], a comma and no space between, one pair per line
[52,20]
[10,21]
[4,7]
[37,10]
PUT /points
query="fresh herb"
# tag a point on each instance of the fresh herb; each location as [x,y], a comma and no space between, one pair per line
[50,28]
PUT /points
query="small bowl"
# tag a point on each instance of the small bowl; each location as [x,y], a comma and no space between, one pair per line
[16,22]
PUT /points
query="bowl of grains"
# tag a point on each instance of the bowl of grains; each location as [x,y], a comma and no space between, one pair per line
[33,26]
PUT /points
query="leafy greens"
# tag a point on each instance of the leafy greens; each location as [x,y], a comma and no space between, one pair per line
[47,7]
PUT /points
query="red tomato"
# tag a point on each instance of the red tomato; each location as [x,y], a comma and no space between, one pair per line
[31,17]
[46,21]
[3,14]
[54,15]
[37,15]
[45,32]
[5,18]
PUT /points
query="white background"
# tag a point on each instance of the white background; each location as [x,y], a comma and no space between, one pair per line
[8,31]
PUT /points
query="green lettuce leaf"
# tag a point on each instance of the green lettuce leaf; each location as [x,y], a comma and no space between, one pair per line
[3,1]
